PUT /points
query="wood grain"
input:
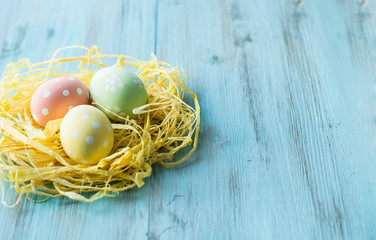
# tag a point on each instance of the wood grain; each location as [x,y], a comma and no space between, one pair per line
[287,90]
[35,29]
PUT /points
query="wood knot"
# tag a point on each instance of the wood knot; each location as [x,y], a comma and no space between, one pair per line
[299,3]
[363,3]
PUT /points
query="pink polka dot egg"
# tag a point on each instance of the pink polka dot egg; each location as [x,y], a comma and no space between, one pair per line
[54,98]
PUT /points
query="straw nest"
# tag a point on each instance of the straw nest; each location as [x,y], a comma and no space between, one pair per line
[33,159]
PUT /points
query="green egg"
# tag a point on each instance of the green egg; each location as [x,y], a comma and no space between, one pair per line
[119,91]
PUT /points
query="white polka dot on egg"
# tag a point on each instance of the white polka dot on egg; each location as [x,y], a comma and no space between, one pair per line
[69,152]
[46,93]
[117,109]
[89,139]
[72,79]
[85,117]
[105,143]
[95,125]
[108,127]
[74,134]
[45,111]
[66,92]
[79,91]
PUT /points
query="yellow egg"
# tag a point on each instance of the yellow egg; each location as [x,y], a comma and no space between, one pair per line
[86,134]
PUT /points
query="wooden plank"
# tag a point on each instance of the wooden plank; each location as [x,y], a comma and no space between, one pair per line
[287,145]
[35,29]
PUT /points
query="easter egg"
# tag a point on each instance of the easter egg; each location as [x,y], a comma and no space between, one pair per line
[54,98]
[86,134]
[119,91]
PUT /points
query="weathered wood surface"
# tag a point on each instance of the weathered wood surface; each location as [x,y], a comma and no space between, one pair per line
[287,89]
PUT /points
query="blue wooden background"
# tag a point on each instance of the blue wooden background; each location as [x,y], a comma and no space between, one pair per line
[288,96]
